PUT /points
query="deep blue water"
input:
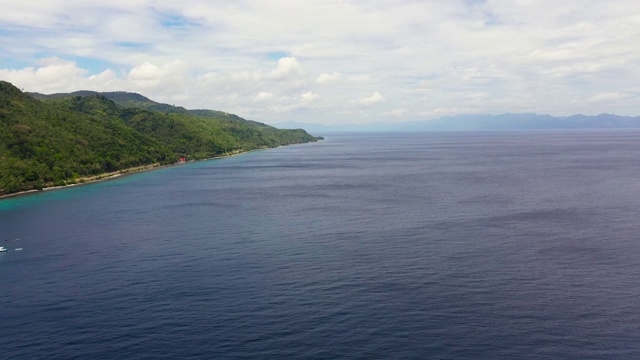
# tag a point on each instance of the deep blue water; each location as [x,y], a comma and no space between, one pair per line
[407,246]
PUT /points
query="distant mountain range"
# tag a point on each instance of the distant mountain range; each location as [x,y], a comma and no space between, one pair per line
[483,122]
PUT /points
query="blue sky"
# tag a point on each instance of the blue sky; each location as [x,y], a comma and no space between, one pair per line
[334,61]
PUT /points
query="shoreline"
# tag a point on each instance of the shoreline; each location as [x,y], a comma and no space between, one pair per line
[128,171]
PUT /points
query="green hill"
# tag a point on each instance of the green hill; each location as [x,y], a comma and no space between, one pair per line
[65,137]
[134,100]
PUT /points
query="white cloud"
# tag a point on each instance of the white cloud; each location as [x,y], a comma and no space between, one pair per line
[376,97]
[326,78]
[426,57]
[308,97]
[53,74]
[395,112]
[164,81]
[145,71]
[607,97]
[263,96]
[287,68]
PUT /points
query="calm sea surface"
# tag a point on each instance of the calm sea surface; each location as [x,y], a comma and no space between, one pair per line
[418,246]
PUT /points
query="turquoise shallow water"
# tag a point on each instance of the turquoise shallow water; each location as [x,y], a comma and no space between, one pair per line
[452,245]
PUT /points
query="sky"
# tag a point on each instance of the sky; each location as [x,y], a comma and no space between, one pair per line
[333,61]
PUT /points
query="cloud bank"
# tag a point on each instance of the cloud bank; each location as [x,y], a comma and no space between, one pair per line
[337,61]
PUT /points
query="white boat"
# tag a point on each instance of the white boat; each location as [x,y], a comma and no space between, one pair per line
[2,249]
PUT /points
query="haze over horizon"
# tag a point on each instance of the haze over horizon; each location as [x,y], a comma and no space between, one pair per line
[334,62]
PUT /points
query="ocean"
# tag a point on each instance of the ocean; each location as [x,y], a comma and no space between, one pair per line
[479,245]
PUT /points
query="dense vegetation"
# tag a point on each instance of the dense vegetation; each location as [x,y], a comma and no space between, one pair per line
[62,138]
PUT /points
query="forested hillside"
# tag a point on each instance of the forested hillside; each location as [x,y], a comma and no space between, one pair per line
[63,138]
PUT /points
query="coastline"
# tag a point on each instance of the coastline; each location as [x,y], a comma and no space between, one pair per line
[91,179]
[128,171]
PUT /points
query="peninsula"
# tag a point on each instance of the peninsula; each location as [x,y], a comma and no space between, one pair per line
[65,139]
